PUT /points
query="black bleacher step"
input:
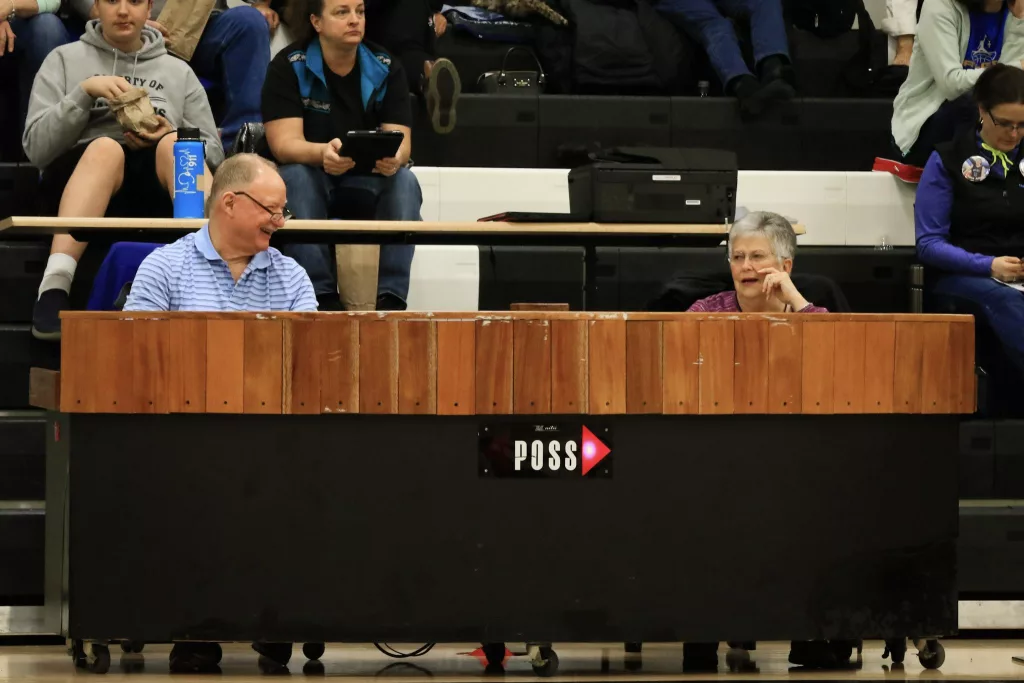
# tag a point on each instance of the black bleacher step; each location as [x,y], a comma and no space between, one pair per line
[567,122]
[21,270]
[19,185]
[492,131]
[990,550]
[977,459]
[19,351]
[1009,458]
[22,455]
[21,554]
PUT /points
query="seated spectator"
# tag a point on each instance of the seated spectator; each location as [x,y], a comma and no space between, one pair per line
[761,249]
[91,166]
[970,225]
[900,24]
[229,264]
[317,89]
[709,22]
[34,30]
[234,51]
[956,40]
[409,30]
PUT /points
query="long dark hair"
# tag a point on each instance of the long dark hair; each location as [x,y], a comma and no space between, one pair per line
[296,15]
[999,84]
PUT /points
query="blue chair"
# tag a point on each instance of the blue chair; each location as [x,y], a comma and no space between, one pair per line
[117,270]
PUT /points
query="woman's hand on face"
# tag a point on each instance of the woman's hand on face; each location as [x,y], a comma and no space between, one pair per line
[778,285]
[1007,268]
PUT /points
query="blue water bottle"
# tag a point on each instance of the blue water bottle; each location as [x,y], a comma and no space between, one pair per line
[188,171]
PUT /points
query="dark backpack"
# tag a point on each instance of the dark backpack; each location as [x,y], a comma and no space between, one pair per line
[823,18]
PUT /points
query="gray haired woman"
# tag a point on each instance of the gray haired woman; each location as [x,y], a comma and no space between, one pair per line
[761,249]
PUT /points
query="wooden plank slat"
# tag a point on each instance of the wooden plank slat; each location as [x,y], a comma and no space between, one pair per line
[186,379]
[456,368]
[681,359]
[849,367]
[879,356]
[569,354]
[819,358]
[378,366]
[531,367]
[644,383]
[750,384]
[113,367]
[785,368]
[938,377]
[263,367]
[151,357]
[607,341]
[717,366]
[78,388]
[303,356]
[907,367]
[417,368]
[961,349]
[494,367]
[339,368]
[225,366]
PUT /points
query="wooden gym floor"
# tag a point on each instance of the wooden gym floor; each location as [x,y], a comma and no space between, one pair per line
[965,660]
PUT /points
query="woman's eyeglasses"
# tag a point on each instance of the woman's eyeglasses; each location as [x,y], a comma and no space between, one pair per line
[1007,125]
[282,216]
[757,258]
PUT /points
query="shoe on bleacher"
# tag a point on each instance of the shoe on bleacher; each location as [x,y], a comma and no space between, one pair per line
[273,656]
[191,658]
[46,314]
[755,97]
[443,90]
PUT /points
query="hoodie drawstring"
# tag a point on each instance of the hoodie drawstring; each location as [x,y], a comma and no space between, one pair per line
[134,67]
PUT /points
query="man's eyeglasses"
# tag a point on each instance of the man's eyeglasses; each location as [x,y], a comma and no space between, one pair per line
[1008,125]
[282,216]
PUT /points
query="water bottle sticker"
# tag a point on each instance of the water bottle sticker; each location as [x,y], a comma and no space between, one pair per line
[188,170]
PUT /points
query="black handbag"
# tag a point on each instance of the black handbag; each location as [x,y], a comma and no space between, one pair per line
[507,82]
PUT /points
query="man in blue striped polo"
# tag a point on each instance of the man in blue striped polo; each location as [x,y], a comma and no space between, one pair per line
[229,264]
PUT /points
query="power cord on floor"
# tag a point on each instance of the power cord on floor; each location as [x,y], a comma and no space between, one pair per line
[396,654]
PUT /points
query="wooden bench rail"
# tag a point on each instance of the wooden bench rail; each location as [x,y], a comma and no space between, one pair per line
[533,362]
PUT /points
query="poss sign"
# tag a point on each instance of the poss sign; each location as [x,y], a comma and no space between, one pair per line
[544,450]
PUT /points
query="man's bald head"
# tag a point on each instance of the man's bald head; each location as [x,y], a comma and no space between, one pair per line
[237,173]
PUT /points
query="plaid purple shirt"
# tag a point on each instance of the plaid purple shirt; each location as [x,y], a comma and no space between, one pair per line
[726,302]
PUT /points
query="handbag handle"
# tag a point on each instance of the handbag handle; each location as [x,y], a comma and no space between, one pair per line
[541,78]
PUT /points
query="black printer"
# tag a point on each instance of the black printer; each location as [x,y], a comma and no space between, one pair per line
[655,185]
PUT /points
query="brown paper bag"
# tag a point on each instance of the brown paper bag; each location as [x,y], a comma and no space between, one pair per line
[134,111]
[185,21]
[357,275]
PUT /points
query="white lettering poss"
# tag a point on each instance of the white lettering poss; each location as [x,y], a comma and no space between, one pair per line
[535,450]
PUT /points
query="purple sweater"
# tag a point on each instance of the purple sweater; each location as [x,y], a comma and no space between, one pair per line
[932,209]
[726,302]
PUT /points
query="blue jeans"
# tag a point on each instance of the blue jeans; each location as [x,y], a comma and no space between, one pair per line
[234,51]
[37,37]
[1000,307]
[708,22]
[315,195]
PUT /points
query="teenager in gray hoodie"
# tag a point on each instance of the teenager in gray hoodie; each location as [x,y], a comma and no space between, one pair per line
[91,167]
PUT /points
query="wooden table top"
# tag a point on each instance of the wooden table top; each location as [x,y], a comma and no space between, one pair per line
[27,225]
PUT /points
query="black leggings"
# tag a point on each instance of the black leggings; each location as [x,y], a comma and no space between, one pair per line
[940,127]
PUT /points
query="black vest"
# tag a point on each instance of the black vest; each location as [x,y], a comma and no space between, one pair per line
[988,215]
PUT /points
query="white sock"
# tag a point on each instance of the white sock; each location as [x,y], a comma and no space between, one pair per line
[60,271]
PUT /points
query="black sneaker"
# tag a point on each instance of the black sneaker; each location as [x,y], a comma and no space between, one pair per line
[274,657]
[443,90]
[46,314]
[193,658]
[390,302]
[329,302]
[813,654]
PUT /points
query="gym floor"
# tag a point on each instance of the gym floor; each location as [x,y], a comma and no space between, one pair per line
[965,660]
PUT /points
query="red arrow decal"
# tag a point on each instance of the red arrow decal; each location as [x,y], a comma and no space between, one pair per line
[593,451]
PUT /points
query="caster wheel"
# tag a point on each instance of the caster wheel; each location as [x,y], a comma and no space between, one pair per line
[842,650]
[548,663]
[99,659]
[495,653]
[896,649]
[634,648]
[313,651]
[77,652]
[933,655]
[132,647]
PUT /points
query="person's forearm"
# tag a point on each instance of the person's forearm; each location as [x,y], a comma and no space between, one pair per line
[299,152]
[22,8]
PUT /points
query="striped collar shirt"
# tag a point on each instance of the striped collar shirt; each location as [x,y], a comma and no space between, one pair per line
[189,275]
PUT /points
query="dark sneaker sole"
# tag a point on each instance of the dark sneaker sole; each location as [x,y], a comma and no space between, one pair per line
[443,90]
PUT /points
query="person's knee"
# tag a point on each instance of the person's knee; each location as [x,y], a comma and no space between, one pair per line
[407,185]
[43,33]
[103,154]
[248,22]
[304,185]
